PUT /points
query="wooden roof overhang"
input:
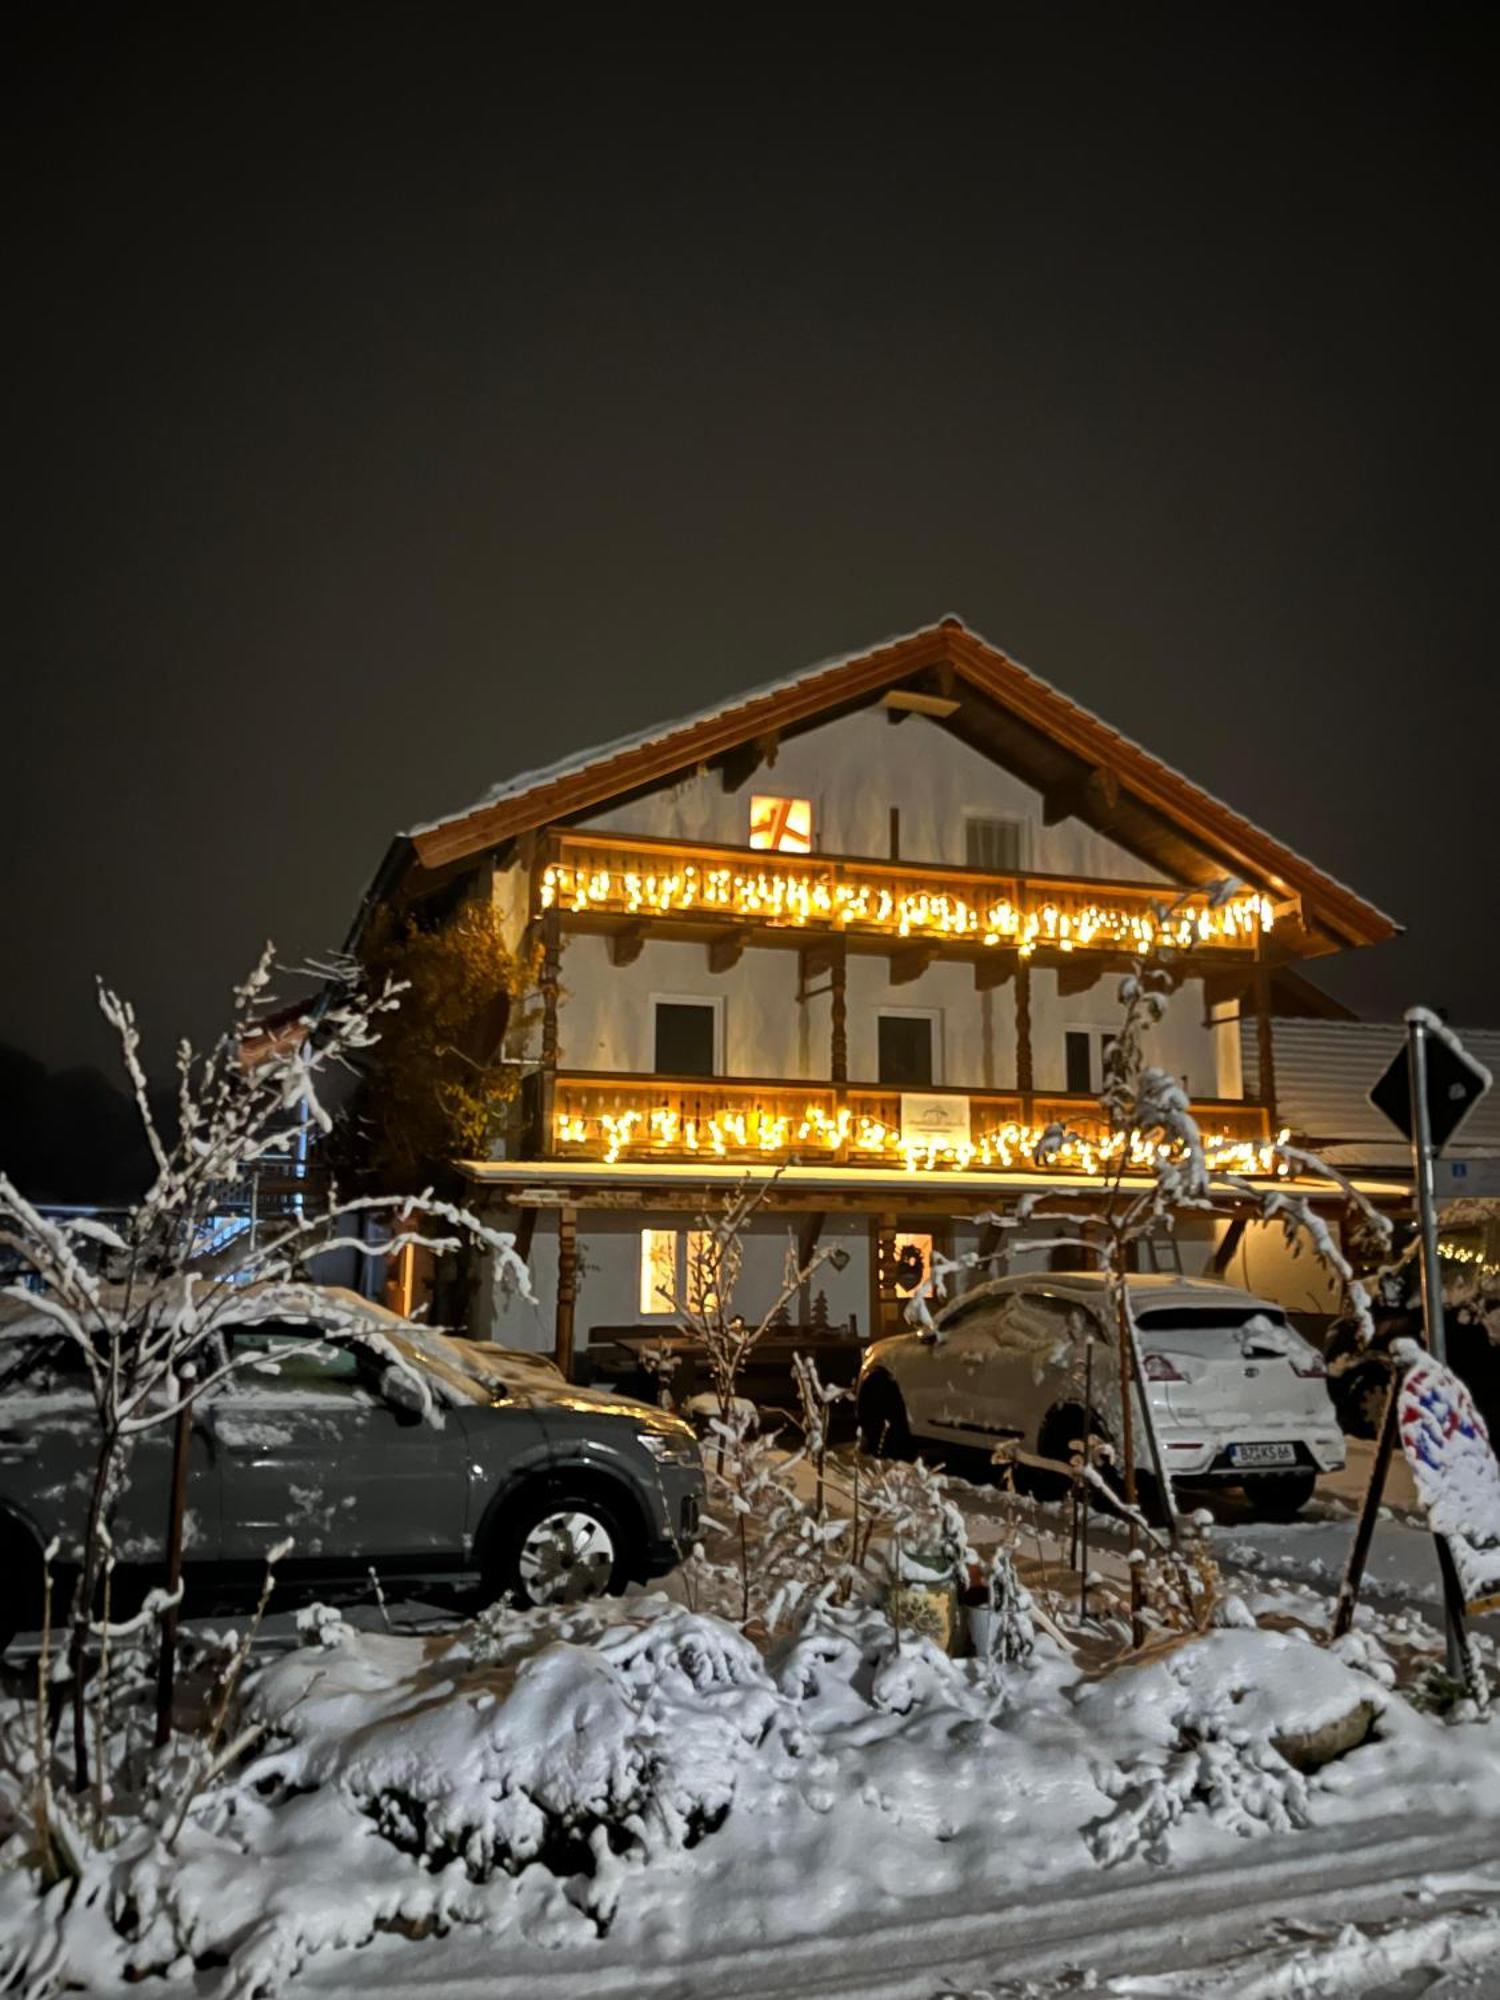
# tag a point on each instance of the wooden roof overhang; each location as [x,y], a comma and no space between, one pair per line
[1081,766]
[630,1187]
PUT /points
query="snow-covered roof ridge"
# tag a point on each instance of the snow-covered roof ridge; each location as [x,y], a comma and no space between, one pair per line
[651,756]
[522,782]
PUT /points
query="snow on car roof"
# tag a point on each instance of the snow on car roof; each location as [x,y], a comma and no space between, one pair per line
[1161,1288]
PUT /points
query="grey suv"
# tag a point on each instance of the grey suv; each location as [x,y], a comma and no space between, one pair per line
[547,1491]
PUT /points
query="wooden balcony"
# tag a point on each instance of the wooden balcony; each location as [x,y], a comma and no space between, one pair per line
[731,897]
[611,1117]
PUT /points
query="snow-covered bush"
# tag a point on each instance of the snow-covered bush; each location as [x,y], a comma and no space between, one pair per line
[1226,1728]
[1240,1781]
[625,1748]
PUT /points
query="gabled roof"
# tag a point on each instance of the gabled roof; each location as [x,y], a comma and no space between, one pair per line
[1003,709]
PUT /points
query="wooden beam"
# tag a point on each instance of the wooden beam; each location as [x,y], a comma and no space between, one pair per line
[1025,1074]
[1094,796]
[1265,1040]
[741,763]
[816,959]
[625,944]
[898,703]
[910,963]
[724,953]
[993,970]
[838,1017]
[1078,971]
[551,985]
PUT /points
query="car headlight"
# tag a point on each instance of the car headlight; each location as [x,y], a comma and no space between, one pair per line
[670,1448]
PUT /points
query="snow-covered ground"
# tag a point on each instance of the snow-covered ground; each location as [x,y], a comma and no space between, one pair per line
[634,1800]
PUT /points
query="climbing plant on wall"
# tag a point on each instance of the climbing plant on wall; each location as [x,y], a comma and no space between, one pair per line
[438,1084]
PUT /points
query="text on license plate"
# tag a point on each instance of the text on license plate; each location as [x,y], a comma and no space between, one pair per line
[1262,1454]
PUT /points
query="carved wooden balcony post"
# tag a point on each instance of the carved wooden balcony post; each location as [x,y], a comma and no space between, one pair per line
[1025,1073]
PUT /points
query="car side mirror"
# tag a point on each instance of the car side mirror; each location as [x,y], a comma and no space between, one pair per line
[403,1396]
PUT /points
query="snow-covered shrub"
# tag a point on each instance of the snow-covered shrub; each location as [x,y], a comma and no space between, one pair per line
[1226,1726]
[1001,1626]
[629,1746]
[1239,1780]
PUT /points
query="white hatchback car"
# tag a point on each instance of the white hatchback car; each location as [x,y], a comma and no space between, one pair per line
[1239,1397]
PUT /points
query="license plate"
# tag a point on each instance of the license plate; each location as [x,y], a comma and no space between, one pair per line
[1262,1454]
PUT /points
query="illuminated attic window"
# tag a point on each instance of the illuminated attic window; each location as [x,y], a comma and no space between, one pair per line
[783,825]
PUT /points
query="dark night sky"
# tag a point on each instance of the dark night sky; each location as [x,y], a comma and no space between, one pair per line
[396,402]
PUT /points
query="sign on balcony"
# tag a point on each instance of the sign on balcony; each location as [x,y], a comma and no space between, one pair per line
[934,1121]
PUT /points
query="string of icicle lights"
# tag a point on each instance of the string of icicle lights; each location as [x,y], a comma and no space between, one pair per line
[662,1130]
[779,895]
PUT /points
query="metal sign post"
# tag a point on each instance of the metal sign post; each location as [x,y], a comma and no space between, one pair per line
[1427,1092]
[1423,1152]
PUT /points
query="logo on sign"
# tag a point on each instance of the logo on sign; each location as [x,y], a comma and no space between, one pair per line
[934,1121]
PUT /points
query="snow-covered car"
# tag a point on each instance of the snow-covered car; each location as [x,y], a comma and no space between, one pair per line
[548,1491]
[1239,1397]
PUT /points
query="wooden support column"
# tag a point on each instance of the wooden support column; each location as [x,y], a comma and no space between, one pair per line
[551,982]
[567,1289]
[1025,1073]
[1265,1038]
[838,1015]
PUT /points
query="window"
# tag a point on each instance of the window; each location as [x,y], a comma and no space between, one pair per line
[268,1356]
[993,845]
[658,1270]
[664,1287]
[906,1050]
[913,1260]
[687,1038]
[1083,1055]
[784,825]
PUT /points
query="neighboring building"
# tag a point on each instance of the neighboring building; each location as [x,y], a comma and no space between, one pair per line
[1323,1072]
[861,926]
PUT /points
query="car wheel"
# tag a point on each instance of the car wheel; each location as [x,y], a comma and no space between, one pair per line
[560,1546]
[883,1429]
[1278,1496]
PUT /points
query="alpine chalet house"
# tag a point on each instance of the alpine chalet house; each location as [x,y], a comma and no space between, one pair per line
[858,932]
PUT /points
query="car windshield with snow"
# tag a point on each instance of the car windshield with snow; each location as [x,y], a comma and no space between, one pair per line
[407,1452]
[1237,1395]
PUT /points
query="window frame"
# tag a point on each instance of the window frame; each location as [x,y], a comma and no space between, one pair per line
[788,798]
[979,816]
[714,1002]
[934,1017]
[1098,1034]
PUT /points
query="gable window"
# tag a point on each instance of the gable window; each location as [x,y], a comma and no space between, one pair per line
[687,1037]
[907,1049]
[783,825]
[1083,1055]
[993,845]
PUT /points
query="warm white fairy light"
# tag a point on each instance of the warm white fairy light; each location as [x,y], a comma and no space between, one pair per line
[783,895]
[667,1130]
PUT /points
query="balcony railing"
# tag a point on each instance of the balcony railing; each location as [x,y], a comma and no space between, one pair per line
[611,881]
[611,1117]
